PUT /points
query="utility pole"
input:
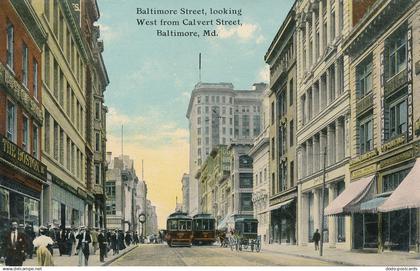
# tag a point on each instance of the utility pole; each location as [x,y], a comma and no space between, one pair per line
[322,204]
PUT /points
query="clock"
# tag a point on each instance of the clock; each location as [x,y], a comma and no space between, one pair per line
[142,218]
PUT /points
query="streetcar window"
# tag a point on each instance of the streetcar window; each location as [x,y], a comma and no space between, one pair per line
[211,224]
[198,224]
[173,225]
[189,224]
[184,225]
[205,225]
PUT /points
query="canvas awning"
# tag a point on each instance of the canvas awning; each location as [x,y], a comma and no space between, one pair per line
[225,221]
[371,206]
[407,194]
[279,205]
[351,195]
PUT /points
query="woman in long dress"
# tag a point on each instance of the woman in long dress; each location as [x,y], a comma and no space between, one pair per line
[42,243]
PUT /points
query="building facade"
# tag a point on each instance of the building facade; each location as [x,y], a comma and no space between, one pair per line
[383,49]
[281,56]
[218,114]
[22,174]
[323,107]
[185,192]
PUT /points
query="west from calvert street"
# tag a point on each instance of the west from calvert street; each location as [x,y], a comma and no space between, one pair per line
[161,254]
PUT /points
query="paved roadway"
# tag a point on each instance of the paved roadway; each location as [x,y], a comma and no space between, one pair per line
[161,254]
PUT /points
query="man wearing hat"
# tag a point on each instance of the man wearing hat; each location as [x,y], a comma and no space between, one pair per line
[94,234]
[83,238]
[102,245]
[15,246]
[70,239]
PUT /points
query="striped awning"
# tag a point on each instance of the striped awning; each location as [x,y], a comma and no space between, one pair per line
[351,195]
[407,194]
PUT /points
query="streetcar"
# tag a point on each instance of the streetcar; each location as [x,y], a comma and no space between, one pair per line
[246,235]
[204,231]
[179,230]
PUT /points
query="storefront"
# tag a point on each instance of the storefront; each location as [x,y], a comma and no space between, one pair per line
[67,206]
[283,219]
[21,184]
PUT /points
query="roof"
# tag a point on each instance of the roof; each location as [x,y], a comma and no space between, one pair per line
[243,219]
[179,215]
[198,216]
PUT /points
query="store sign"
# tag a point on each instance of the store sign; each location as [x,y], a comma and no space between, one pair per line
[409,85]
[75,9]
[381,89]
[20,158]
[367,170]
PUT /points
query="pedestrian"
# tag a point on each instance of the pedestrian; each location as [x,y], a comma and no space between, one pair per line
[102,245]
[315,238]
[94,234]
[136,238]
[121,245]
[70,239]
[83,238]
[127,238]
[44,244]
[114,242]
[62,241]
[15,246]
[30,236]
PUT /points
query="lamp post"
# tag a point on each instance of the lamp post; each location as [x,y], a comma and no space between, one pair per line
[142,220]
[322,204]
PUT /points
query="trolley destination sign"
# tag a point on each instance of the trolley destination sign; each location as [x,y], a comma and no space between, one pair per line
[20,158]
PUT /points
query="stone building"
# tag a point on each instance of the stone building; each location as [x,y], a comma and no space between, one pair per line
[218,114]
[23,176]
[384,54]
[323,107]
[260,155]
[281,56]
[185,192]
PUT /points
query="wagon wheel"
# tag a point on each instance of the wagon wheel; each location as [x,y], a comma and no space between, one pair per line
[246,243]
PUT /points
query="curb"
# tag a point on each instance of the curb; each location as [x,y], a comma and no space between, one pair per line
[314,258]
[119,256]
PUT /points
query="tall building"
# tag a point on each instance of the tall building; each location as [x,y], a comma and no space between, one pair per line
[141,203]
[121,185]
[281,56]
[383,50]
[67,199]
[323,107]
[218,114]
[151,226]
[22,174]
[185,192]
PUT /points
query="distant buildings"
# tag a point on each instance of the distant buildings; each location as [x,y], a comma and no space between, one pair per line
[218,114]
[185,192]
[126,197]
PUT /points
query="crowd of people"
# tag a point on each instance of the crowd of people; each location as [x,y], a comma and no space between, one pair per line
[22,243]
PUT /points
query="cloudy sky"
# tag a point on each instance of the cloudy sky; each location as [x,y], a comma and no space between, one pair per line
[152,78]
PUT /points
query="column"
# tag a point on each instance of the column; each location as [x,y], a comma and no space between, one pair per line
[314,58]
[321,28]
[310,156]
[328,16]
[316,208]
[299,163]
[302,218]
[337,79]
[327,86]
[339,135]
[307,46]
[331,146]
[332,220]
[315,98]
[316,153]
[322,145]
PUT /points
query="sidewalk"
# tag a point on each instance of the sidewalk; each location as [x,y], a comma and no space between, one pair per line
[74,259]
[346,257]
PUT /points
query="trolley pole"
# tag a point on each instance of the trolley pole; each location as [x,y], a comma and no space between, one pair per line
[322,204]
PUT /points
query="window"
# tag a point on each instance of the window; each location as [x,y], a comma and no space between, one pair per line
[25,134]
[257,125]
[11,122]
[292,173]
[393,180]
[245,125]
[366,135]
[398,118]
[198,99]
[55,141]
[291,92]
[111,208]
[25,63]
[273,183]
[47,132]
[198,110]
[272,113]
[291,133]
[98,174]
[273,149]
[364,77]
[98,111]
[9,50]
[47,66]
[35,79]
[97,142]
[332,25]
[397,54]
[35,141]
[245,180]
[61,146]
[246,201]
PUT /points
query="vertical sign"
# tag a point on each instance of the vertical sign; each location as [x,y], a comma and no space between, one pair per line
[409,85]
[75,10]
[382,79]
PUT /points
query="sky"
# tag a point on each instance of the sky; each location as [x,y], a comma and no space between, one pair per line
[151,78]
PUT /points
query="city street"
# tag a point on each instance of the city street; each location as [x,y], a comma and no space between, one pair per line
[161,254]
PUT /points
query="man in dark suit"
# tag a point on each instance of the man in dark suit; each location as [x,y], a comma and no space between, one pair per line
[102,241]
[83,238]
[62,241]
[70,239]
[15,246]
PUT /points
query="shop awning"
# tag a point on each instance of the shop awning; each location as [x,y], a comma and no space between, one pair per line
[371,206]
[224,222]
[351,195]
[407,194]
[281,204]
